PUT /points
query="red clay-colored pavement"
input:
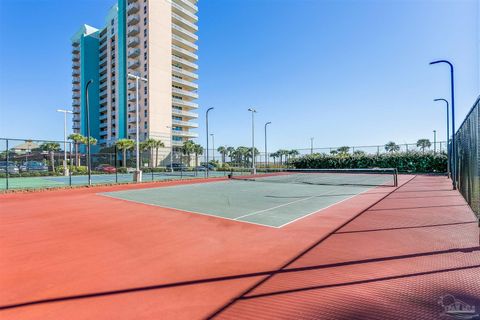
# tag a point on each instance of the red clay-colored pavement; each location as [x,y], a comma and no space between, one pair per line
[73,254]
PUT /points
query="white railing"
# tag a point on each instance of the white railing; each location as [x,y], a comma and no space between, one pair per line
[185,93]
[185,41]
[185,123]
[185,72]
[184,103]
[184,21]
[185,52]
[185,62]
[184,113]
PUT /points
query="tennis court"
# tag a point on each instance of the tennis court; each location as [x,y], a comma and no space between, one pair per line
[272,199]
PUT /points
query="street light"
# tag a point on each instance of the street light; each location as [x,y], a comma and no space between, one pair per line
[266,150]
[311,145]
[138,173]
[87,108]
[206,119]
[454,150]
[213,146]
[65,112]
[253,111]
[448,136]
[434,141]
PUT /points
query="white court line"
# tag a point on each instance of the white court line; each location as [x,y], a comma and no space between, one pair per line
[188,211]
[272,208]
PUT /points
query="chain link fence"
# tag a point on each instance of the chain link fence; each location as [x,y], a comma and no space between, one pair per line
[467,158]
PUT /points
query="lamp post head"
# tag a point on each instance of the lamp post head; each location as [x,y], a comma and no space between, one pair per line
[252,110]
[268,123]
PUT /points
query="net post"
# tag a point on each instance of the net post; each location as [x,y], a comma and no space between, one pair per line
[395,174]
[6,164]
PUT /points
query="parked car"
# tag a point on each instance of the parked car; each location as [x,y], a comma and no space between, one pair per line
[11,167]
[33,166]
[177,167]
[211,167]
[106,168]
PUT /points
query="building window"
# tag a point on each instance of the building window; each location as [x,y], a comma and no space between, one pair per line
[145,9]
[112,22]
[145,102]
[145,125]
[145,67]
[145,56]
[174,138]
[145,21]
[145,113]
[145,90]
[145,32]
[145,44]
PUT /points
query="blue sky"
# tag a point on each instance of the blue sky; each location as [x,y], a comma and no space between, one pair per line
[344,72]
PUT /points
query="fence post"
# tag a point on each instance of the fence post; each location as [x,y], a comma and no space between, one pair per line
[70,164]
[116,169]
[6,164]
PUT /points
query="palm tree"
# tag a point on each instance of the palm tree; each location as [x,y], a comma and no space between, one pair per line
[187,149]
[423,143]
[198,150]
[51,147]
[274,155]
[77,138]
[359,152]
[392,147]
[333,152]
[343,150]
[223,151]
[242,154]
[231,152]
[293,153]
[148,145]
[124,145]
[157,144]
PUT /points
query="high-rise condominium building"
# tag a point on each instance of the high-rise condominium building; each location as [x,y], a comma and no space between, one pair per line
[154,39]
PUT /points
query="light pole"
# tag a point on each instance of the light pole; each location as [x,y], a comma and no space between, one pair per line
[448,136]
[171,148]
[87,108]
[206,119]
[253,111]
[434,141]
[311,145]
[65,112]
[453,152]
[213,146]
[138,173]
[266,150]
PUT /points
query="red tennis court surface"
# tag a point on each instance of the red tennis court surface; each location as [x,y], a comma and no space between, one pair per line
[385,254]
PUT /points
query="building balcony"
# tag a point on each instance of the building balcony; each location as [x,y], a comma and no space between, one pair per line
[132,98]
[133,64]
[132,120]
[103,93]
[103,109]
[133,19]
[76,103]
[184,13]
[76,65]
[76,110]
[103,101]
[76,87]
[103,70]
[76,80]
[132,108]
[132,8]
[183,52]
[76,125]
[132,131]
[184,33]
[75,47]
[188,5]
[133,30]
[75,73]
[184,113]
[132,53]
[103,85]
[184,22]
[185,63]
[103,124]
[184,73]
[76,96]
[76,117]
[183,103]
[187,134]
[133,42]
[185,93]
[103,117]
[184,43]
[187,124]
[131,86]
[76,57]
[177,143]
[185,83]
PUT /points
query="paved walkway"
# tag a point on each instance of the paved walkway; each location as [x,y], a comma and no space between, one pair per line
[395,261]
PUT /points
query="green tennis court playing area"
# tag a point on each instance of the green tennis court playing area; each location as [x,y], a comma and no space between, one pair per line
[273,201]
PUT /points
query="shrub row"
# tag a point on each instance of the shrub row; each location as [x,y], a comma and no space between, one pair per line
[416,162]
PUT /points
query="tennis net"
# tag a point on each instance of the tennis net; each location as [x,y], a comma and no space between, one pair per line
[349,177]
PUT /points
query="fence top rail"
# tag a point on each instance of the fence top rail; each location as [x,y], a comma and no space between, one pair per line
[33,140]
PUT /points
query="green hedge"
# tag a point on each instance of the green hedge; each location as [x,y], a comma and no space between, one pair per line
[403,161]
